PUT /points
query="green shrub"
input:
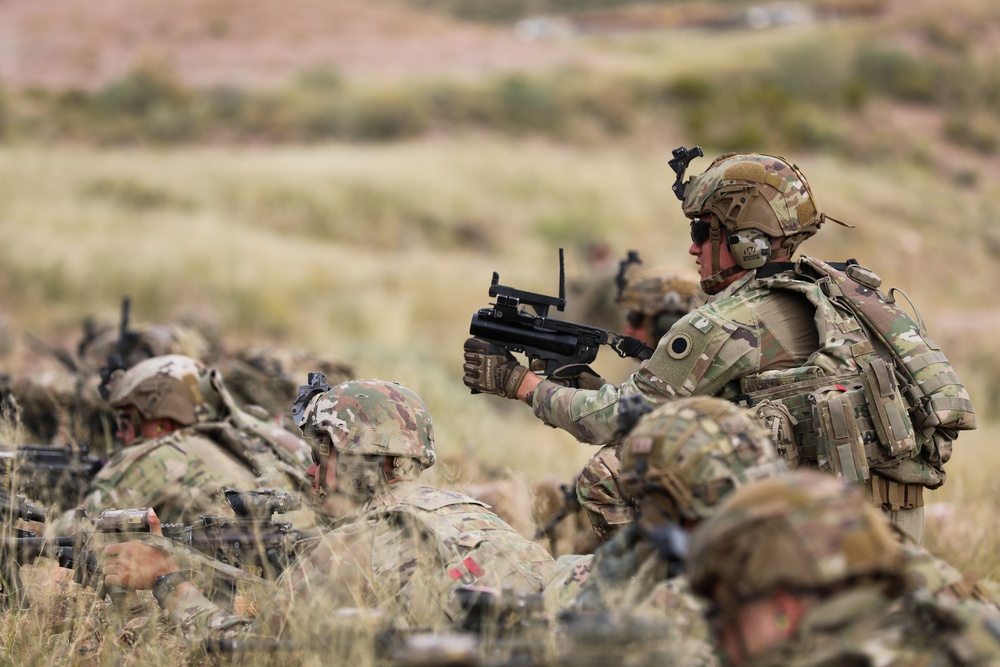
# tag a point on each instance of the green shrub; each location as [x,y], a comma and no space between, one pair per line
[975,131]
[897,74]
[526,104]
[139,92]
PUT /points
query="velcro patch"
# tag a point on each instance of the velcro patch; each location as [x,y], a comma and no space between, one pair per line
[641,445]
[702,324]
[679,345]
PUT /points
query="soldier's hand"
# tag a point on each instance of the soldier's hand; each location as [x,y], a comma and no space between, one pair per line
[134,564]
[578,376]
[491,370]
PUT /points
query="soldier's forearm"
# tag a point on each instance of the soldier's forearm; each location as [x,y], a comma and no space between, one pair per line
[587,414]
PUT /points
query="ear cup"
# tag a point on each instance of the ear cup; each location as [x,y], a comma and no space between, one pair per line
[750,248]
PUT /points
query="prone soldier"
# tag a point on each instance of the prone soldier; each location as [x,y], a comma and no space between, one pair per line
[679,462]
[407,553]
[801,570]
[185,442]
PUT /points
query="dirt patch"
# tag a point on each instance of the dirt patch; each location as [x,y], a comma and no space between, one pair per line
[79,43]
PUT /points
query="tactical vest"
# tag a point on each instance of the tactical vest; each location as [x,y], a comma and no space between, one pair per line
[877,397]
[471,545]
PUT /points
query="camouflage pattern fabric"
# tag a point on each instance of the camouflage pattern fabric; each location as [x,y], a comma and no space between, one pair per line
[627,579]
[752,329]
[862,627]
[376,418]
[659,289]
[776,197]
[406,556]
[268,376]
[706,353]
[600,496]
[56,399]
[931,577]
[181,475]
[569,576]
[817,539]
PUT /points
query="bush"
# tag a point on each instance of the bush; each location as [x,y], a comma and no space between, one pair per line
[975,131]
[897,74]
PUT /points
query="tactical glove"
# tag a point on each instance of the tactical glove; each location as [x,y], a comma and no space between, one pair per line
[578,376]
[491,370]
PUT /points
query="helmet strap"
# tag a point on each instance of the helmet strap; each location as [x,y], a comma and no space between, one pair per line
[719,276]
[324,461]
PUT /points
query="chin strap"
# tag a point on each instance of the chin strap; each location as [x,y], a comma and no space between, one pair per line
[711,284]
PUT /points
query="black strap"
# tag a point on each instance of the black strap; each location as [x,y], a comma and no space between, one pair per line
[774,268]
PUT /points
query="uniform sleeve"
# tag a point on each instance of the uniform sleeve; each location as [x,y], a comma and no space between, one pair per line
[700,354]
[179,482]
[336,573]
[600,496]
[199,618]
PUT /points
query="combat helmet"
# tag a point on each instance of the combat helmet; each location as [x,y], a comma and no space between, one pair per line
[754,198]
[688,454]
[804,531]
[662,293]
[373,418]
[168,387]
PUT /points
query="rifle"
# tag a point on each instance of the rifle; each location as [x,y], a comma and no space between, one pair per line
[26,546]
[251,542]
[554,344]
[570,504]
[116,361]
[247,548]
[55,476]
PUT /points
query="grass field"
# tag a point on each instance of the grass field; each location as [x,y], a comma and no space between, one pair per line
[379,253]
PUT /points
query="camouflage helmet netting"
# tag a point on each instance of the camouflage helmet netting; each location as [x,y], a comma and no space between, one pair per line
[373,417]
[698,450]
[754,191]
[661,289]
[168,387]
[801,531]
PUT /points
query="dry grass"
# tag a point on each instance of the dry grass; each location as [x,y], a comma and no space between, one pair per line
[380,255]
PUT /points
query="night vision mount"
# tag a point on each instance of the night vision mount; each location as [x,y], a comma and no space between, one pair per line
[682,158]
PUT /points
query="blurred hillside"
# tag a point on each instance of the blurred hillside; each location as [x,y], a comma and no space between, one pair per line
[346,174]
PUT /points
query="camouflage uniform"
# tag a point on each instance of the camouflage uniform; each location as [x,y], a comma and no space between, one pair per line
[783,325]
[182,474]
[56,400]
[599,495]
[810,536]
[663,295]
[693,451]
[412,547]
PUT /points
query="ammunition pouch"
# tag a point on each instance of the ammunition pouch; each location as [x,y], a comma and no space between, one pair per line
[852,424]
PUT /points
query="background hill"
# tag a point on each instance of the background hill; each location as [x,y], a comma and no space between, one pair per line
[345,175]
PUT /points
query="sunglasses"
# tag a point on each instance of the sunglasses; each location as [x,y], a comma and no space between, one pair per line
[700,231]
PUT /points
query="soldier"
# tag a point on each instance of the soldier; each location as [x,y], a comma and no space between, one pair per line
[184,442]
[654,299]
[679,463]
[56,400]
[800,570]
[409,551]
[843,378]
